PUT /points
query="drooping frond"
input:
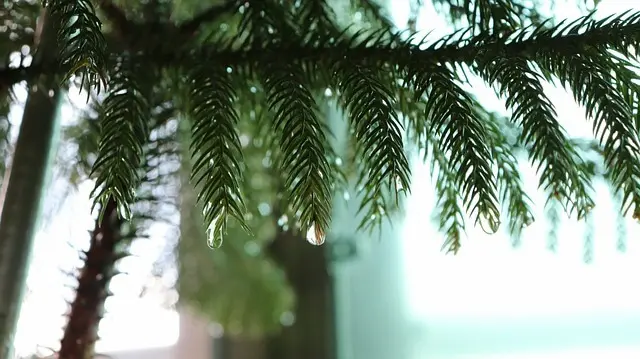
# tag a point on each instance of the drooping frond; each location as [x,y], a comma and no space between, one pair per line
[82,45]
[303,146]
[593,87]
[459,132]
[516,203]
[532,109]
[123,133]
[450,215]
[378,132]
[294,52]
[216,149]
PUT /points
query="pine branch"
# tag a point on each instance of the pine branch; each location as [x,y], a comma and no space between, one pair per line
[216,150]
[86,310]
[532,109]
[512,194]
[82,44]
[378,136]
[461,133]
[123,135]
[450,215]
[302,143]
[617,33]
[593,87]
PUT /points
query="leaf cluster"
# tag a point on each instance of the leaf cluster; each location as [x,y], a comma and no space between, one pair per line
[388,83]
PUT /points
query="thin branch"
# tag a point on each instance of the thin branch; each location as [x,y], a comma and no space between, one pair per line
[209,15]
[454,51]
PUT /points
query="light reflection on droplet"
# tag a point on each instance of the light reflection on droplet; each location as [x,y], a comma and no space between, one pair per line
[315,235]
[528,221]
[489,223]
[215,233]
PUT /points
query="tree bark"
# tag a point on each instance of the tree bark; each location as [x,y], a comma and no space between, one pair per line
[312,334]
[22,195]
[87,308]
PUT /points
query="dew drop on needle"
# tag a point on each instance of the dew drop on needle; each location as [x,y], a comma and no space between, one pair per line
[489,223]
[214,236]
[315,235]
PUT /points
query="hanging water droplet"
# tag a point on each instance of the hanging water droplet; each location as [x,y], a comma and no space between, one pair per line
[488,222]
[338,161]
[528,221]
[124,211]
[315,235]
[399,185]
[328,92]
[215,233]
[346,195]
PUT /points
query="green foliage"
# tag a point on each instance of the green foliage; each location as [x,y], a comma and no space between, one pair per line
[369,69]
[123,125]
[249,78]
[251,291]
[81,42]
[216,148]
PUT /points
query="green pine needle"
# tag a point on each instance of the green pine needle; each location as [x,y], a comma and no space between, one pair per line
[123,134]
[82,44]
[216,150]
[385,81]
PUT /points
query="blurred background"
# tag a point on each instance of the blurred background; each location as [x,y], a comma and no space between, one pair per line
[567,290]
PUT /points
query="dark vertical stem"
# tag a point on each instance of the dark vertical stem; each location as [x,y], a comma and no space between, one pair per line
[312,334]
[24,191]
[86,309]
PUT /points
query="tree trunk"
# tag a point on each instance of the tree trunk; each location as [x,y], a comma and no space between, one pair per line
[86,309]
[23,192]
[312,334]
